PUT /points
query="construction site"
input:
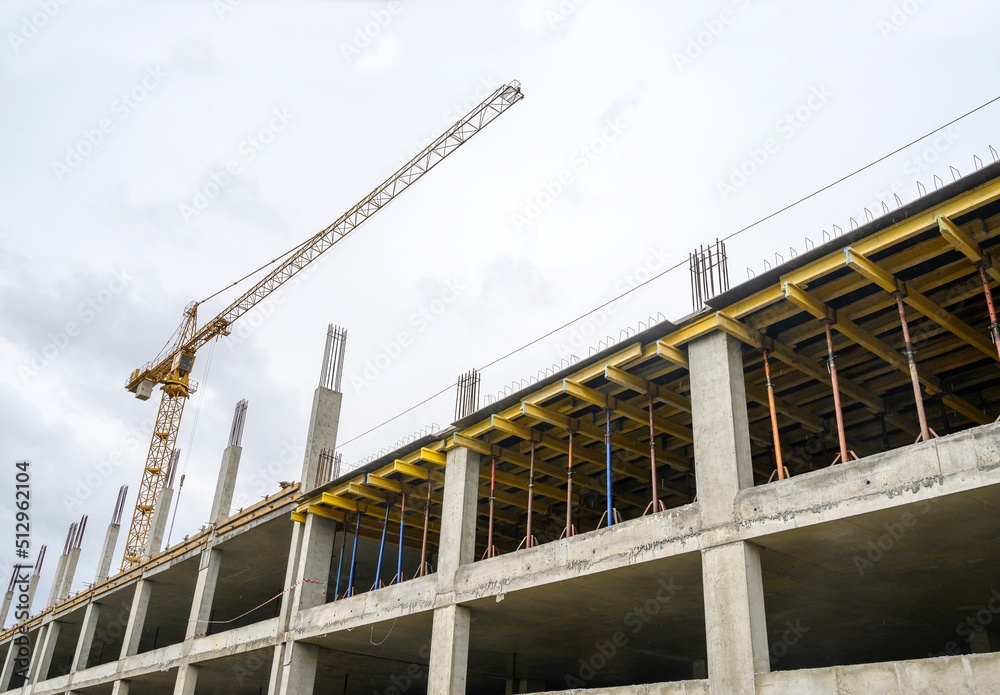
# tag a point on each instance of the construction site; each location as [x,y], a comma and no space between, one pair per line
[793,489]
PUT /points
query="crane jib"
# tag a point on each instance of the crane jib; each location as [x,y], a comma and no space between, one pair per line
[504,97]
[173,371]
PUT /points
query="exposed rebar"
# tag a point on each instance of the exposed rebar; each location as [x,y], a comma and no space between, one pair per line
[709,268]
[116,516]
[239,418]
[332,371]
[467,394]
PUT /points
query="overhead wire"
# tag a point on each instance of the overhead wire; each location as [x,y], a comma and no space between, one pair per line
[675,267]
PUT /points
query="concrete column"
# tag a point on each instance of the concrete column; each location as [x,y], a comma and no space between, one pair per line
[449,650]
[735,625]
[223,501]
[41,660]
[136,618]
[32,588]
[107,553]
[187,679]
[8,666]
[721,429]
[292,573]
[69,571]
[8,598]
[204,592]
[458,515]
[298,670]
[120,687]
[323,423]
[158,524]
[87,631]
[450,628]
[315,558]
[56,581]
[285,612]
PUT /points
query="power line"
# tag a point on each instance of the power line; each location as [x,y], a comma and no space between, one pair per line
[678,265]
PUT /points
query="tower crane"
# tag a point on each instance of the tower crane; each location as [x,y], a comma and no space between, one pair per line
[172,372]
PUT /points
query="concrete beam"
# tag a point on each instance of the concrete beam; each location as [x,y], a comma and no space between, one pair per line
[223,501]
[323,423]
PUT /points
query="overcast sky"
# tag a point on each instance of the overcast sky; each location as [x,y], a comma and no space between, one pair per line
[154,152]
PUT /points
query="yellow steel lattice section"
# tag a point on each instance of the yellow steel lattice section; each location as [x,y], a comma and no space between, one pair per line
[154,475]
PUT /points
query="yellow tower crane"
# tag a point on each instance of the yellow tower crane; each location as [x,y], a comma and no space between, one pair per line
[173,371]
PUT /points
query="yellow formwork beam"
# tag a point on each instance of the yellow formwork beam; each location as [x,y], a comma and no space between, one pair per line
[595,397]
[916,299]
[597,434]
[581,480]
[641,385]
[961,241]
[854,332]
[554,443]
[592,371]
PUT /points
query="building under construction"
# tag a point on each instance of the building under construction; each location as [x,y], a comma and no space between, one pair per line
[794,489]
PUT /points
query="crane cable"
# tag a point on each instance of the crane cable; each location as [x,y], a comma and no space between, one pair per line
[254,272]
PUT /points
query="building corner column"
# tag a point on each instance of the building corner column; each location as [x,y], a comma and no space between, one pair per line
[449,656]
[735,620]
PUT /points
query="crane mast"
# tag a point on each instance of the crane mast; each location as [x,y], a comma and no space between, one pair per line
[172,372]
